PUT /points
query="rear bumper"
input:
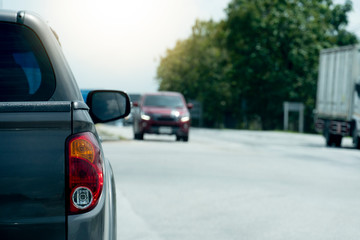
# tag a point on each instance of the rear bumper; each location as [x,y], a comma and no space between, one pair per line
[335,127]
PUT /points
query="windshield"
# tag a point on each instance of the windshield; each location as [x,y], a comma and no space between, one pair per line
[163,101]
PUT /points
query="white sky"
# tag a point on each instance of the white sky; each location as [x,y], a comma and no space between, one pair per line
[354,16]
[116,44]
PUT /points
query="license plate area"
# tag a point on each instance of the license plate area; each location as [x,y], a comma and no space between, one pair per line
[165,130]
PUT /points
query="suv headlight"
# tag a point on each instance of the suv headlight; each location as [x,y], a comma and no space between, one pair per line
[185,118]
[145,116]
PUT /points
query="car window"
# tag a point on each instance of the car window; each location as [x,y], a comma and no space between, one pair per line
[163,101]
[26,73]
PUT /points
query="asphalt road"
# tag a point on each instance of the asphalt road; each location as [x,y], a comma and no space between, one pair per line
[235,185]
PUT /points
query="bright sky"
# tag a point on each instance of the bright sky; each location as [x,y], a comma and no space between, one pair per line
[116,44]
[354,16]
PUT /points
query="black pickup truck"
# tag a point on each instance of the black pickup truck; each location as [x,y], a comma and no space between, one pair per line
[55,182]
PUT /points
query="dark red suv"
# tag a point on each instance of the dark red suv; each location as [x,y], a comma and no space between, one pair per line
[162,113]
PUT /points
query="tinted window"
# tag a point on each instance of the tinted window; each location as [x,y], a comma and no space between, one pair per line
[163,101]
[25,70]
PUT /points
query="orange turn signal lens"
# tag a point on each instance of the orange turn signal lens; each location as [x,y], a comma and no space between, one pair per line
[81,148]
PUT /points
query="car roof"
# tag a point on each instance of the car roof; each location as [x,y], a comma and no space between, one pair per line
[164,93]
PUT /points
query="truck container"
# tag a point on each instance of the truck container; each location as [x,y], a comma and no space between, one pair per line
[337,111]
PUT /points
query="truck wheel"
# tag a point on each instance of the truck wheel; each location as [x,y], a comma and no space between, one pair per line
[337,140]
[357,143]
[356,139]
[186,138]
[178,138]
[333,139]
[329,139]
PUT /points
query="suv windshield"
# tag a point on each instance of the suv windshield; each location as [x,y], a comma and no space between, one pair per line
[26,73]
[163,101]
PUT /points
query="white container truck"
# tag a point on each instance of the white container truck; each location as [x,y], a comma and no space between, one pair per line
[337,111]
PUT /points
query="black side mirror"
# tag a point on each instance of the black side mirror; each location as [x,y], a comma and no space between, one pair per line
[357,89]
[108,105]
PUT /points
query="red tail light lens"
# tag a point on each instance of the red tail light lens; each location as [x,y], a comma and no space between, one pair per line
[85,172]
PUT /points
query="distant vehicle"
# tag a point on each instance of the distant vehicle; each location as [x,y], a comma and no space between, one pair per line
[162,113]
[55,180]
[337,111]
[134,97]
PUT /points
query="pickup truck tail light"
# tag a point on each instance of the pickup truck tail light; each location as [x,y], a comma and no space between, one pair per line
[85,172]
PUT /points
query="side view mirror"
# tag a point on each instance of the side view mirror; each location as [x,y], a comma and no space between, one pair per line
[108,105]
[189,105]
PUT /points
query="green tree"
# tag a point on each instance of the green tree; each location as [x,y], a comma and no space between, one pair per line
[197,67]
[274,47]
[264,53]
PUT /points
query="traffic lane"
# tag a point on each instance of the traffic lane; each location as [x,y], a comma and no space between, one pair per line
[240,137]
[212,189]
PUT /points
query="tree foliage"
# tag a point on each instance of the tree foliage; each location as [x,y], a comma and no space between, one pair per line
[264,53]
[196,67]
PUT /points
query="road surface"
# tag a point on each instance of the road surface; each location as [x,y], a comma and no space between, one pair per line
[226,184]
